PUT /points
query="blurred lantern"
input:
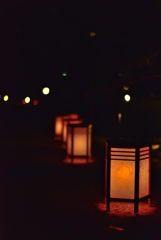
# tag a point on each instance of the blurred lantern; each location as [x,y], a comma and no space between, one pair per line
[59,126]
[65,123]
[35,102]
[45,90]
[127,172]
[27,99]
[79,139]
[5,98]
[127,97]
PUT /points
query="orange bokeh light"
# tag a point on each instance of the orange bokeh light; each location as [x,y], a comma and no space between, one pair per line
[23,101]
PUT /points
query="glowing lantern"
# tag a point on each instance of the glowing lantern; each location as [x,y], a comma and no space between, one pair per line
[127,173]
[79,141]
[59,126]
[70,121]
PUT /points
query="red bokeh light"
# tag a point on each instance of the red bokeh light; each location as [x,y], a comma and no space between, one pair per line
[35,102]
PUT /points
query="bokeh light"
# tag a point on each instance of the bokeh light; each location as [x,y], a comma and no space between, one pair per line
[45,90]
[23,101]
[126,88]
[27,99]
[64,74]
[5,98]
[92,34]
[127,97]
[35,102]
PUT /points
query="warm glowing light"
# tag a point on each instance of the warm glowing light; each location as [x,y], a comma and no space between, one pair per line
[119,116]
[79,138]
[126,88]
[5,98]
[65,122]
[64,74]
[35,102]
[92,34]
[155,146]
[78,161]
[124,173]
[73,116]
[127,97]
[27,99]
[45,90]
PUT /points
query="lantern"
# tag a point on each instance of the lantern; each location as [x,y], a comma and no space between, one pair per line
[79,142]
[65,123]
[127,172]
[59,124]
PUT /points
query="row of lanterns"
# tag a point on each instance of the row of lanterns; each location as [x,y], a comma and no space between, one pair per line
[127,163]
[76,138]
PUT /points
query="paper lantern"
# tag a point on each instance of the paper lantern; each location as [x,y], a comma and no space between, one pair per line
[79,141]
[65,123]
[127,172]
[59,126]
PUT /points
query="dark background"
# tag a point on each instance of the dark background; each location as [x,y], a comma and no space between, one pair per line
[42,39]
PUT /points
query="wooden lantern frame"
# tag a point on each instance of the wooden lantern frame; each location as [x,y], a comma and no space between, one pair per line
[121,150]
[88,154]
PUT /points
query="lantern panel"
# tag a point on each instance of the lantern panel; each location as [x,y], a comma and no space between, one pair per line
[144,172]
[144,178]
[122,179]
[69,141]
[76,121]
[80,141]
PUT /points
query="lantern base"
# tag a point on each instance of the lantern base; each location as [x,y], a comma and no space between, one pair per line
[78,160]
[135,203]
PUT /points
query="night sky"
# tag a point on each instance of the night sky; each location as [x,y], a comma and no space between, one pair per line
[41,39]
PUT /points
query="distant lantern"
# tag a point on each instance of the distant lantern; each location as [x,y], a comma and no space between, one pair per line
[59,126]
[35,102]
[79,139]
[5,98]
[27,99]
[65,123]
[127,97]
[64,74]
[92,34]
[45,90]
[127,172]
